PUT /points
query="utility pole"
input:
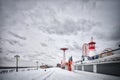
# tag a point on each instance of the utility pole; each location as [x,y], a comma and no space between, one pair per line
[37,64]
[16,56]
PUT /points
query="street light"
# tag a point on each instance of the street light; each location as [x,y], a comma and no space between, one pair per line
[16,56]
[37,64]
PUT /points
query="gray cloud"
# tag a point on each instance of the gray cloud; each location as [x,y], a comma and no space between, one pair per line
[13,42]
[36,55]
[17,36]
[6,59]
[106,33]
[70,27]
[74,46]
[43,44]
[77,46]
[13,52]
[0,50]
[115,33]
[51,57]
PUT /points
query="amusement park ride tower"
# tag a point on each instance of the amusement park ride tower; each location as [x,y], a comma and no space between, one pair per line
[91,47]
[88,50]
[63,62]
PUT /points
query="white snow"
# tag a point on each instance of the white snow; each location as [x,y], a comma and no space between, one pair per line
[55,74]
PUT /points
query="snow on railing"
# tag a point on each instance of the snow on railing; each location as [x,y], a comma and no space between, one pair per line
[3,71]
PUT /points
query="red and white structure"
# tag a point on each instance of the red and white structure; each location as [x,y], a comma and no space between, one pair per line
[88,49]
[85,49]
[63,62]
[91,47]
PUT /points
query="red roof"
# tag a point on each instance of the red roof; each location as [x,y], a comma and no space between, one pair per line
[92,43]
[64,48]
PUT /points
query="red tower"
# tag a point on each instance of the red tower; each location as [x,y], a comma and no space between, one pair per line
[91,47]
[91,44]
[63,62]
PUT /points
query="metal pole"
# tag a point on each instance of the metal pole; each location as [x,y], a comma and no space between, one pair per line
[64,56]
[37,64]
[16,64]
[16,56]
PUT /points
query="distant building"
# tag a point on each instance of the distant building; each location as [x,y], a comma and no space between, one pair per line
[45,66]
[58,65]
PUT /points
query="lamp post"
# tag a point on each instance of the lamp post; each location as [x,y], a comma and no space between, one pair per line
[16,56]
[37,64]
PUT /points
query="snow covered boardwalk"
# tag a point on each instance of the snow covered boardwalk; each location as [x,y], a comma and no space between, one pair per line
[55,74]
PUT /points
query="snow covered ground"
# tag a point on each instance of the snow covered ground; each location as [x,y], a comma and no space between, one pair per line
[55,74]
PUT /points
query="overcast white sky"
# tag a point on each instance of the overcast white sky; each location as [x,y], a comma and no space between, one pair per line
[37,29]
